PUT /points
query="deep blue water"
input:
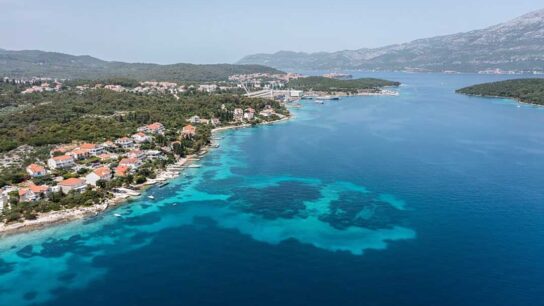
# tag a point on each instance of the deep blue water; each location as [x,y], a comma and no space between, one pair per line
[429,198]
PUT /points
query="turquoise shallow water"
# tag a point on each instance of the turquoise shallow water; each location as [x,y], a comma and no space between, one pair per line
[425,198]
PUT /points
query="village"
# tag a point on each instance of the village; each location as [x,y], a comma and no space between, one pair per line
[116,169]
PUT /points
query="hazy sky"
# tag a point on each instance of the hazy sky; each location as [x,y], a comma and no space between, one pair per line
[211,31]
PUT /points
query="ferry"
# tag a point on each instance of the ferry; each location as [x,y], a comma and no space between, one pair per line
[329,98]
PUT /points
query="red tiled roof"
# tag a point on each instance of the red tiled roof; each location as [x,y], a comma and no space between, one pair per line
[155,126]
[62,157]
[189,129]
[38,189]
[35,168]
[128,161]
[102,171]
[121,170]
[72,182]
[80,151]
[87,146]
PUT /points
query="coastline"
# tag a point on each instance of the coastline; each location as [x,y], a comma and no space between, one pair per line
[517,100]
[172,171]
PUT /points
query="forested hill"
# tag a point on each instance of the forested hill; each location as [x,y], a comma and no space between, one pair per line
[327,84]
[33,63]
[524,90]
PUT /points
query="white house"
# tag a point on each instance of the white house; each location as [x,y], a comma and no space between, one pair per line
[238,114]
[70,184]
[140,137]
[249,114]
[61,162]
[35,170]
[136,154]
[92,148]
[33,193]
[194,119]
[130,162]
[102,173]
[124,142]
[79,153]
[154,128]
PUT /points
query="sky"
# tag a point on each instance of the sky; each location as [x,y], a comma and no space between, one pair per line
[214,31]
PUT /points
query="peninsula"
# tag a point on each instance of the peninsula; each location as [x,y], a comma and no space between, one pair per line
[523,90]
[363,86]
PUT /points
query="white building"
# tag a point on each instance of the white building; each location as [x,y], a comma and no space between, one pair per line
[75,184]
[61,162]
[140,137]
[194,119]
[124,142]
[102,173]
[35,170]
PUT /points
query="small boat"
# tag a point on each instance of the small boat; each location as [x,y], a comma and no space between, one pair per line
[163,184]
[151,197]
[194,166]
[117,215]
[319,101]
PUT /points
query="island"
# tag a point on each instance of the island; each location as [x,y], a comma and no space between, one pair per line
[523,90]
[363,86]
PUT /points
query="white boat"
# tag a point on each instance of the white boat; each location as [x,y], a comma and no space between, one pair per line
[151,197]
[319,101]
[117,215]
[194,166]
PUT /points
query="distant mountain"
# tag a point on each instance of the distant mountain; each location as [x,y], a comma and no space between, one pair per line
[514,45]
[31,63]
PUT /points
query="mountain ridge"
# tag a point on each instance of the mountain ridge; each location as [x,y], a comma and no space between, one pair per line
[37,63]
[517,44]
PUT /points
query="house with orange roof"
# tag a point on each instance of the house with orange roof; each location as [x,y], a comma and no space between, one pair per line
[121,170]
[136,154]
[62,150]
[188,131]
[102,173]
[61,162]
[33,193]
[35,170]
[79,153]
[73,184]
[107,156]
[93,149]
[154,128]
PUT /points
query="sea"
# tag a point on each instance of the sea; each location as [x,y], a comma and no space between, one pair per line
[426,198]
